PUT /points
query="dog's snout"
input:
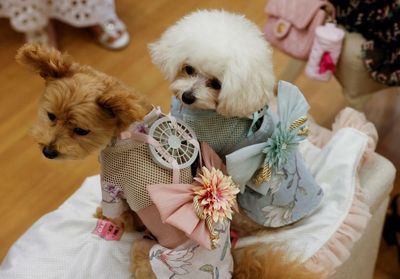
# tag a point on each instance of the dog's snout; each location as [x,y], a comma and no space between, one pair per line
[49,152]
[188,97]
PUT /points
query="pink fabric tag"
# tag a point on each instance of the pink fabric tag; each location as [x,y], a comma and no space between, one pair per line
[108,230]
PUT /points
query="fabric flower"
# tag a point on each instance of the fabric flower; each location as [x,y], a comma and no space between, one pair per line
[280,147]
[216,194]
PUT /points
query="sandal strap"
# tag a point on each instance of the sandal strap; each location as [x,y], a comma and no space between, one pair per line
[113,27]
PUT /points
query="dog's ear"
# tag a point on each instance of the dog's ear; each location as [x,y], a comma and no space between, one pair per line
[165,57]
[246,87]
[48,62]
[123,104]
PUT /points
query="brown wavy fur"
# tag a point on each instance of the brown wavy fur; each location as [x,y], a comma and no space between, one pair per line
[263,261]
[140,263]
[80,96]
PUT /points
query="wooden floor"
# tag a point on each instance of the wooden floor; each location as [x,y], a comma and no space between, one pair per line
[32,186]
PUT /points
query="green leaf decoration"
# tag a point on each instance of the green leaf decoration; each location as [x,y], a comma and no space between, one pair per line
[208,268]
[224,250]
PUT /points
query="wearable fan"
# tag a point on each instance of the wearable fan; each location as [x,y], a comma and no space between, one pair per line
[175,141]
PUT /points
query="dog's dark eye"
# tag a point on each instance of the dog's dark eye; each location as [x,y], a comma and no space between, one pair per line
[81,132]
[214,84]
[189,70]
[51,116]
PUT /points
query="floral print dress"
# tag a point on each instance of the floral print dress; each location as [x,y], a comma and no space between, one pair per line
[189,215]
[190,260]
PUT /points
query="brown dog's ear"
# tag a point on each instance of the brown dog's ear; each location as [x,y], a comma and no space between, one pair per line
[123,104]
[48,62]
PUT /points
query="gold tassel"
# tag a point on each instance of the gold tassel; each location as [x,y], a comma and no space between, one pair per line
[214,236]
[263,174]
[197,208]
[298,122]
[304,132]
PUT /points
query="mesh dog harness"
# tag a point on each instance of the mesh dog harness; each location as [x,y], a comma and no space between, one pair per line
[223,134]
[127,167]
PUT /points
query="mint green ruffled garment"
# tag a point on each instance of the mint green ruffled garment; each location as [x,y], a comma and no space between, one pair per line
[291,192]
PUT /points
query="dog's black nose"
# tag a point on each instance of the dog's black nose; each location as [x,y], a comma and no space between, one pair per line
[188,97]
[49,152]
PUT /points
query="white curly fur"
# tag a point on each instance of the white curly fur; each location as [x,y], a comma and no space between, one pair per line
[222,45]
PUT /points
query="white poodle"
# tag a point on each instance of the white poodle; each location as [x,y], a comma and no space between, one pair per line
[217,60]
[220,69]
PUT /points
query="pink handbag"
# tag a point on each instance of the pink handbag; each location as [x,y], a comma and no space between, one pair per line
[291,24]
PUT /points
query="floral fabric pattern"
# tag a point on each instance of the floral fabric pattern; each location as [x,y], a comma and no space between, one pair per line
[113,201]
[277,189]
[378,21]
[190,260]
[116,193]
[296,196]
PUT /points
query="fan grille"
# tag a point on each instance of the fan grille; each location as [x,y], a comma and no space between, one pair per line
[175,141]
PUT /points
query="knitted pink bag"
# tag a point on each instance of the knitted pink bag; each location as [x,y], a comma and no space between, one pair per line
[291,24]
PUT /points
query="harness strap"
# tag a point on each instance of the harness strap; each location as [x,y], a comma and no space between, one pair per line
[186,136]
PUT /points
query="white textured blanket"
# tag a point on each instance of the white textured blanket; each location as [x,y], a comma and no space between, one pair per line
[61,243]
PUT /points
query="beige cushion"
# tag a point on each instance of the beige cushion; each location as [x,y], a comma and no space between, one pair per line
[361,263]
[351,72]
[376,178]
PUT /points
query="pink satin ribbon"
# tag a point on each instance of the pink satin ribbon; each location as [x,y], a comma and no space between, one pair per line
[175,202]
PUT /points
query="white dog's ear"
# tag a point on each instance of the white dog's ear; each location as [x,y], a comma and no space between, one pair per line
[246,89]
[163,55]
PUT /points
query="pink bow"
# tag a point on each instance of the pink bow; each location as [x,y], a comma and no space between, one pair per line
[175,202]
[326,63]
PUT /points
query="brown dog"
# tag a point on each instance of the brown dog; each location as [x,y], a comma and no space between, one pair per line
[82,109]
